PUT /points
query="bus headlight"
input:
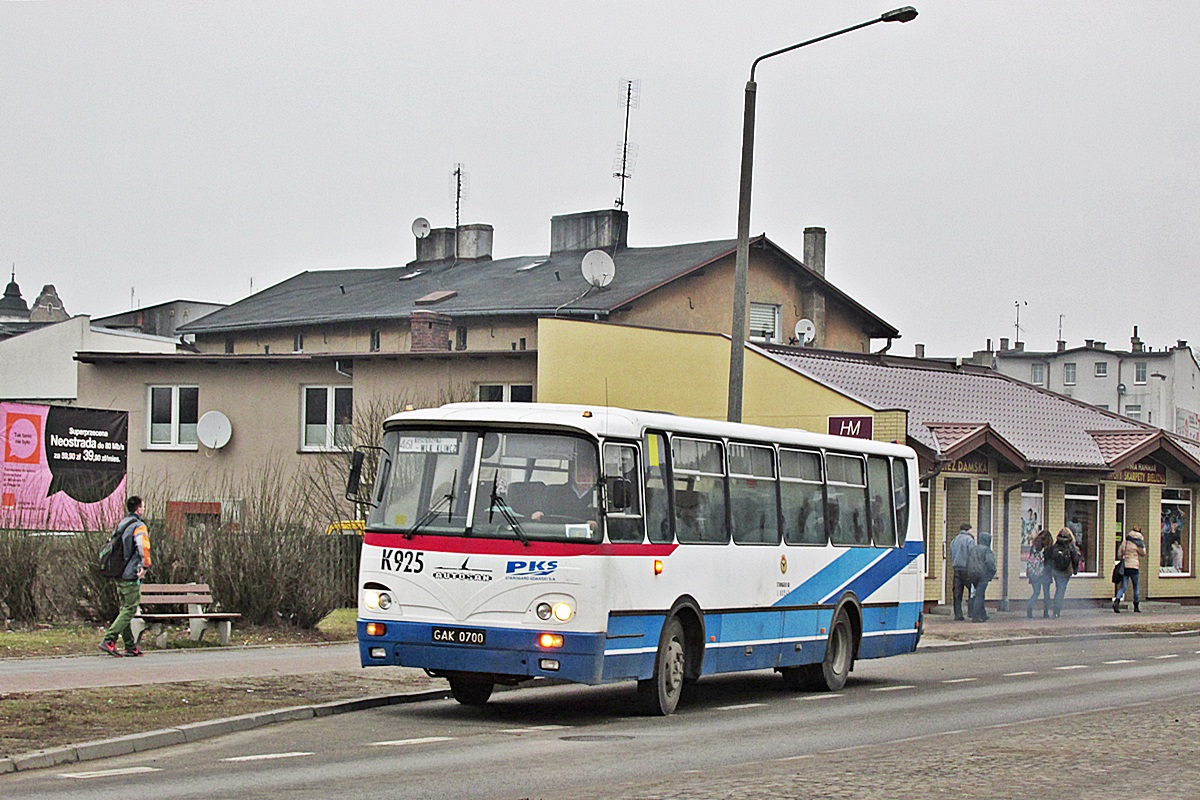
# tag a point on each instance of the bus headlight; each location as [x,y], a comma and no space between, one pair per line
[544,611]
[377,600]
[563,611]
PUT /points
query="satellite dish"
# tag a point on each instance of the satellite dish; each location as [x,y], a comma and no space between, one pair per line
[598,268]
[806,331]
[420,227]
[213,430]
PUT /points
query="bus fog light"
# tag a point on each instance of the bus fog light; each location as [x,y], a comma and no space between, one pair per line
[543,611]
[385,601]
[549,664]
[378,652]
[563,611]
[549,640]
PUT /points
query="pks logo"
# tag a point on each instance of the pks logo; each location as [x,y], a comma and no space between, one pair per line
[530,569]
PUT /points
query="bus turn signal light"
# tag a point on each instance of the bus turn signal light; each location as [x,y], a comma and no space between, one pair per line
[658,566]
[549,640]
[376,629]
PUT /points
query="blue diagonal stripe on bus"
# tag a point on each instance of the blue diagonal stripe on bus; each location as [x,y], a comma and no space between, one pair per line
[843,573]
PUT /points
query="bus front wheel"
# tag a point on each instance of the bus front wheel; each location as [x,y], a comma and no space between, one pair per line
[660,694]
[470,692]
[830,675]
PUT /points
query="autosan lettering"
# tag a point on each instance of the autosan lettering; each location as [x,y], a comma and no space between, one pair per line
[463,573]
[530,570]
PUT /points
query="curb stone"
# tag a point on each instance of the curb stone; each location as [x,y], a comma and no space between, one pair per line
[1058,637]
[195,731]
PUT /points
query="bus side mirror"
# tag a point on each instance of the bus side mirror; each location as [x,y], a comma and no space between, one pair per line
[356,465]
[620,492]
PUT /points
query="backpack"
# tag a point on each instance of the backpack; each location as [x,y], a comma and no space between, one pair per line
[1060,557]
[1035,568]
[112,555]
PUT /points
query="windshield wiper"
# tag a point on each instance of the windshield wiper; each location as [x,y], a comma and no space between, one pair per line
[428,516]
[497,502]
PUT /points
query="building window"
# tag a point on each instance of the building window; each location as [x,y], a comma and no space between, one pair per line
[375,340]
[1176,533]
[328,415]
[1080,509]
[1100,369]
[764,322]
[1069,374]
[1133,410]
[505,393]
[298,343]
[925,525]
[983,503]
[1031,520]
[1139,372]
[1037,374]
[173,415]
[460,338]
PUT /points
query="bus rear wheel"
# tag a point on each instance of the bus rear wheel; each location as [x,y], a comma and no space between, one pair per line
[470,692]
[660,694]
[830,675]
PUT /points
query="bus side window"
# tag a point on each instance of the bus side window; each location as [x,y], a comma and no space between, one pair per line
[879,488]
[846,511]
[900,495]
[698,470]
[658,509]
[802,493]
[753,515]
[622,491]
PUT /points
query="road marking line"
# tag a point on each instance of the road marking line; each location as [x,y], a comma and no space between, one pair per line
[826,696]
[1073,666]
[1122,661]
[1168,655]
[737,707]
[105,773]
[892,688]
[1018,674]
[403,742]
[960,680]
[269,756]
[536,728]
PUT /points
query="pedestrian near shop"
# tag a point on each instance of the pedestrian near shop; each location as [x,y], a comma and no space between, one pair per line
[981,568]
[1130,552]
[960,548]
[1038,573]
[1063,560]
[135,544]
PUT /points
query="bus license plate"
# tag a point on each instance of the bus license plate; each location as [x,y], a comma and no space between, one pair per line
[475,636]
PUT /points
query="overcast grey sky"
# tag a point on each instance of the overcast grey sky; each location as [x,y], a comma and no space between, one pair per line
[983,154]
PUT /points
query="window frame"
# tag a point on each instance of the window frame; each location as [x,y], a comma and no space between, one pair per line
[331,444]
[1070,373]
[177,441]
[506,392]
[1141,371]
[775,310]
[690,476]
[746,478]
[866,502]
[1037,374]
[1100,369]
[819,483]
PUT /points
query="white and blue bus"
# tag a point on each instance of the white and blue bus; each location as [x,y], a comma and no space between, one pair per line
[513,541]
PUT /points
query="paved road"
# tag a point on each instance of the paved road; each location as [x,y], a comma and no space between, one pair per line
[1049,719]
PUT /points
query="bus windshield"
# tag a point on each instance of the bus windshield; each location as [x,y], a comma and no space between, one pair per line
[498,484]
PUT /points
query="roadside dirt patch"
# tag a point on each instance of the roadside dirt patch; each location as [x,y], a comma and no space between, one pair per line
[36,720]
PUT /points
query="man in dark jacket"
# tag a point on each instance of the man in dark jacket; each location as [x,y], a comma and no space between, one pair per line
[981,568]
[960,548]
[135,539]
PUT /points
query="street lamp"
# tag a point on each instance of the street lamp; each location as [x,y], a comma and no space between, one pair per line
[737,354]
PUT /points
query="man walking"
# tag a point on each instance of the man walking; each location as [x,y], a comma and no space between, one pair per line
[981,568]
[135,544]
[960,548]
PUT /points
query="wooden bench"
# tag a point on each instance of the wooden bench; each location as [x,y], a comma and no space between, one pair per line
[196,596]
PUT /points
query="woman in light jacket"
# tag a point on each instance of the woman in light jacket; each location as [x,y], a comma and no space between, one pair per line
[1131,550]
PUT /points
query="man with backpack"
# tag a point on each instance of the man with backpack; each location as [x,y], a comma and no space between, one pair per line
[981,568]
[134,543]
[1062,561]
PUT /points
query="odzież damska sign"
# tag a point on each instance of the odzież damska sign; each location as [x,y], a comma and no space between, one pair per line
[61,468]
[855,427]
[972,464]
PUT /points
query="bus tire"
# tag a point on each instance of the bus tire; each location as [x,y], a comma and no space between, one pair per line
[470,692]
[831,673]
[660,694]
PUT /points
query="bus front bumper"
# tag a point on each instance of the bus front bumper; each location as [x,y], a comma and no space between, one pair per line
[504,652]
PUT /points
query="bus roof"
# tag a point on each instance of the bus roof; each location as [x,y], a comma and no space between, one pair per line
[606,421]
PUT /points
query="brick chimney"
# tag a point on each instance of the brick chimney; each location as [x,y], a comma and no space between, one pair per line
[430,332]
[589,230]
[1135,344]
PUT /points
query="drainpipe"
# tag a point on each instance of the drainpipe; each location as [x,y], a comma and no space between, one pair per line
[1024,486]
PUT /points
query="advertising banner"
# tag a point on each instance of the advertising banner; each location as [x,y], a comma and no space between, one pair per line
[61,468]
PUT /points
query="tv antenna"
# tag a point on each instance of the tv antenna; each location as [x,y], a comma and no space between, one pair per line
[460,189]
[1060,319]
[1018,304]
[631,97]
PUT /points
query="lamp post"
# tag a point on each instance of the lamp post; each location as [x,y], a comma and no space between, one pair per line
[737,355]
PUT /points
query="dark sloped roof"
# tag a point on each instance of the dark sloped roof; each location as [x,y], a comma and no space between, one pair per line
[946,404]
[535,285]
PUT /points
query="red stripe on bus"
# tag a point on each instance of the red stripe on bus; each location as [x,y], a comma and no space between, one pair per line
[512,547]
